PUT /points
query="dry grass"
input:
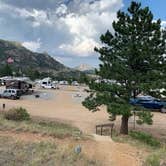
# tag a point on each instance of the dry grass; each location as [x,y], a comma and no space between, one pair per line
[54,129]
[20,152]
[157,158]
[17,153]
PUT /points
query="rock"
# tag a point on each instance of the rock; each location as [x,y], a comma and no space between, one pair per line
[78,149]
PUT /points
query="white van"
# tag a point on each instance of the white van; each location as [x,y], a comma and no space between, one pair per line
[10,94]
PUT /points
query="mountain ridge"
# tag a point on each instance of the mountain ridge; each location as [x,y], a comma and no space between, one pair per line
[84,67]
[25,59]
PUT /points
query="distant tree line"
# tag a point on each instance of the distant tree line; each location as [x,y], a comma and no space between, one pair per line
[9,70]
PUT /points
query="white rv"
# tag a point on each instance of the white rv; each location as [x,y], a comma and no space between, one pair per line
[47,83]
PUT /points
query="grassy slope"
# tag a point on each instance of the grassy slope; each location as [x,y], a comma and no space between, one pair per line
[54,129]
[18,153]
[31,153]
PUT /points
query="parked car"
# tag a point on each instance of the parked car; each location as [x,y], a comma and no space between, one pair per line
[49,86]
[75,83]
[148,102]
[10,94]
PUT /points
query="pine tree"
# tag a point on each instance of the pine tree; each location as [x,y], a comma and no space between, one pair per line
[133,56]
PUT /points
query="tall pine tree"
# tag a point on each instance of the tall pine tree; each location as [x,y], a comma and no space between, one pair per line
[133,56]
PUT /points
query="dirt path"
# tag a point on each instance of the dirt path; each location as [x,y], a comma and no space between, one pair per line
[102,149]
[118,153]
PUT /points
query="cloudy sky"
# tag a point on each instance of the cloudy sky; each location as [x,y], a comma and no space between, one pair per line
[66,29]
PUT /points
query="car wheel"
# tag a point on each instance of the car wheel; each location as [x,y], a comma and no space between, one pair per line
[12,97]
[163,110]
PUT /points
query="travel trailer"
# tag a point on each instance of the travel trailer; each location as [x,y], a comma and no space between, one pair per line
[23,84]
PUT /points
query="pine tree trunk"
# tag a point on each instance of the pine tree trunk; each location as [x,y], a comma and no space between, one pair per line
[124,125]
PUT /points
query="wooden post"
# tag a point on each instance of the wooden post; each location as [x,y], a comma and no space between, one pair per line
[111,131]
[3,106]
[101,130]
[134,119]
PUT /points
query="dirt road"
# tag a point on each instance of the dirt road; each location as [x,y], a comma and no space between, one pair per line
[61,105]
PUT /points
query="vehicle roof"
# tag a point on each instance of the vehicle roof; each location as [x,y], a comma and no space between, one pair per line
[12,89]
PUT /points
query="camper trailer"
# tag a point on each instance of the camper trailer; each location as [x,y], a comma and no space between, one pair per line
[4,79]
[23,86]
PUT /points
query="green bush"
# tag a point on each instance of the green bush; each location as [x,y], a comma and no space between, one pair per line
[17,114]
[145,137]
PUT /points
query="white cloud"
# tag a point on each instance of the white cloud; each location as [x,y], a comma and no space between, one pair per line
[36,17]
[86,26]
[79,25]
[163,23]
[106,5]
[61,10]
[80,46]
[69,30]
[32,45]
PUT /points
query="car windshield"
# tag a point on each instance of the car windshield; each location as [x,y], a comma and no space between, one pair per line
[141,101]
[145,98]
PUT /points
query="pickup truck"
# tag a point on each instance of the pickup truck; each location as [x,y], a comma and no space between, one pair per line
[149,102]
[10,94]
